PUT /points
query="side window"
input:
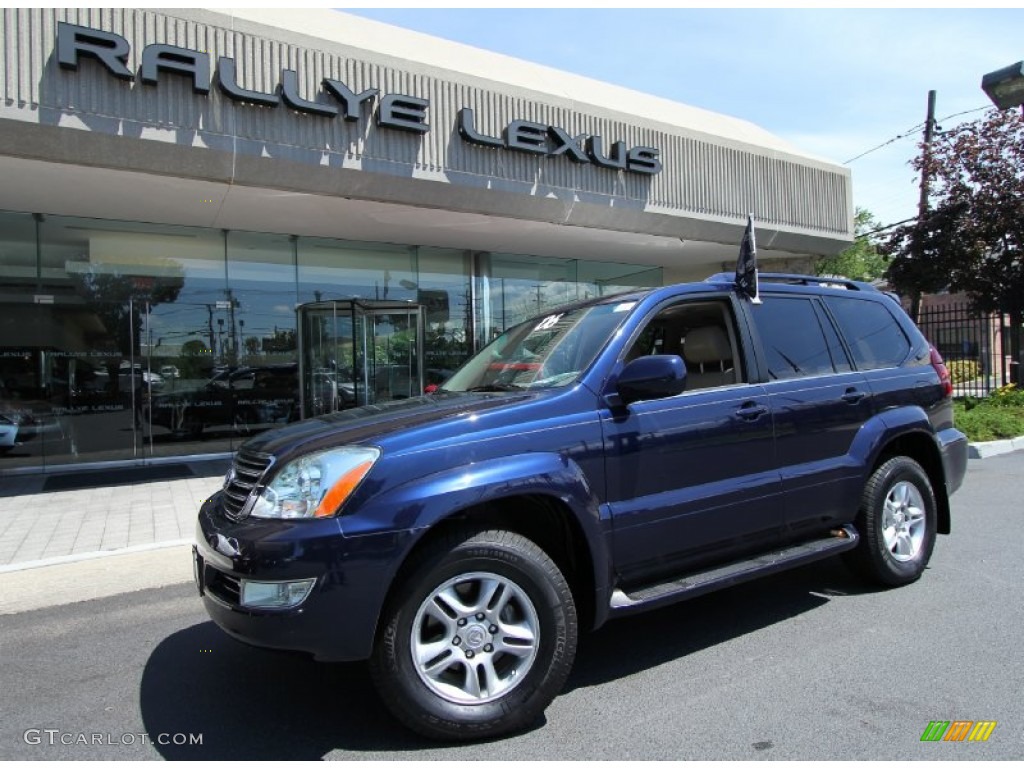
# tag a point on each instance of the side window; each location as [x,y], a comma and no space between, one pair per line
[793,340]
[702,333]
[872,333]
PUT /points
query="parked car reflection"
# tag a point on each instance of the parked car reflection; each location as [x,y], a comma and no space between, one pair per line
[244,399]
[8,433]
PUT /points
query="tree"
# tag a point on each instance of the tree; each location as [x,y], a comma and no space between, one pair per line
[253,346]
[861,261]
[118,300]
[972,237]
[194,355]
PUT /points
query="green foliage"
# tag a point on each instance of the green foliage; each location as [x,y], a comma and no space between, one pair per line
[861,261]
[118,300]
[997,417]
[1009,396]
[973,234]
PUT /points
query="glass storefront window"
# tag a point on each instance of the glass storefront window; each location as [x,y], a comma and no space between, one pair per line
[20,335]
[334,269]
[444,291]
[339,270]
[260,344]
[523,286]
[238,373]
[605,279]
[128,324]
[123,340]
[17,255]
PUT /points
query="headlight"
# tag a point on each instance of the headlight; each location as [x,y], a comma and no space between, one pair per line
[315,485]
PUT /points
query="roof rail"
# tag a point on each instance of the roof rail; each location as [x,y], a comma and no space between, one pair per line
[794,279]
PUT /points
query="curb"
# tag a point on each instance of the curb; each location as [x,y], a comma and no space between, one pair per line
[994,448]
[95,578]
[64,559]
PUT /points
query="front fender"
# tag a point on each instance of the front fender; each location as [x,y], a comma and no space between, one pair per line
[420,504]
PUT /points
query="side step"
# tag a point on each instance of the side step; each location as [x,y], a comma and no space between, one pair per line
[719,577]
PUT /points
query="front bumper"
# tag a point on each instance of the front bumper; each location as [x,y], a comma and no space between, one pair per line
[337,621]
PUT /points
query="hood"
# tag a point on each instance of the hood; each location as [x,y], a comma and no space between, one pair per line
[370,424]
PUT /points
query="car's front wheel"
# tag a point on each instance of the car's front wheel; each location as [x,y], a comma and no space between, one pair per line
[478,639]
[898,520]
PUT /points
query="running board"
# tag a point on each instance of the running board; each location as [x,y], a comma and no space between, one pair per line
[702,582]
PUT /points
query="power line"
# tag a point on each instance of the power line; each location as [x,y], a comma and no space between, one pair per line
[882,229]
[903,135]
[909,132]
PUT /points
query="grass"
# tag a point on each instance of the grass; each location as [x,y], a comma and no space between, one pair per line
[997,417]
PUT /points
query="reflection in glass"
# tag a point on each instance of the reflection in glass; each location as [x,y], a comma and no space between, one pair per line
[123,340]
[444,293]
[133,307]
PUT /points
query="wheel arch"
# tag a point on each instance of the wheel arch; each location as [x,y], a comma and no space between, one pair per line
[545,519]
[920,446]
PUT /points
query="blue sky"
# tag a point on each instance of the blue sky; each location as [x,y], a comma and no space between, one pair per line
[835,83]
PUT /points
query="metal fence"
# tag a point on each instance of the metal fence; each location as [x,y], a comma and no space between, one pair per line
[974,345]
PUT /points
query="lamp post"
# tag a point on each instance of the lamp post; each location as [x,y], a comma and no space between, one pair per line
[1006,86]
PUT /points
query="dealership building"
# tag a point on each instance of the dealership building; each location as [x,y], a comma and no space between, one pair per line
[211,222]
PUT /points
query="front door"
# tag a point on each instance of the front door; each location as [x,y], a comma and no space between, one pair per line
[692,479]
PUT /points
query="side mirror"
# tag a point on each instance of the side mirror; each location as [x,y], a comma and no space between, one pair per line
[651,378]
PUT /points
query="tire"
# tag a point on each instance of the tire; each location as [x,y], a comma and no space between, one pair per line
[897,521]
[477,639]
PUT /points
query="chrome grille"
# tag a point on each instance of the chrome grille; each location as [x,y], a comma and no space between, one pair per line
[249,468]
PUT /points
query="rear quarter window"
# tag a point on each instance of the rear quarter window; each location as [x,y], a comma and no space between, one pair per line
[872,332]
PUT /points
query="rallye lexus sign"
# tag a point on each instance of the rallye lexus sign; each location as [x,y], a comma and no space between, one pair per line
[391,111]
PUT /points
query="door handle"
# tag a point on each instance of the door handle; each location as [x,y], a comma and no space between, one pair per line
[751,411]
[853,396]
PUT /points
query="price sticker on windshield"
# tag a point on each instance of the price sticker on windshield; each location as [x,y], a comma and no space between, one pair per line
[548,322]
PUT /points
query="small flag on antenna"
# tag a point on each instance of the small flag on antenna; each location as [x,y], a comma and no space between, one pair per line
[746,264]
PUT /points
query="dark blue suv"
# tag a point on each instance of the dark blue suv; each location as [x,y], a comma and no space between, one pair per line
[609,457]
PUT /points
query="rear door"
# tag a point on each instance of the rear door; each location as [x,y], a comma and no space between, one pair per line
[819,403]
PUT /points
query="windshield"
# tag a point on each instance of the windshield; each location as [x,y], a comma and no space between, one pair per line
[550,351]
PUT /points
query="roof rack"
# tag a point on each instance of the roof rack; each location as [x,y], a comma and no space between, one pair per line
[793,279]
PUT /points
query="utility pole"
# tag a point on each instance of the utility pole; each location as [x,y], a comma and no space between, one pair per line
[922,205]
[213,337]
[929,133]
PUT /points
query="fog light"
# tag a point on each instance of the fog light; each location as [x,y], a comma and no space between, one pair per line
[275,594]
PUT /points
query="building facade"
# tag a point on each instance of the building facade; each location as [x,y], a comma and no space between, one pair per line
[177,183]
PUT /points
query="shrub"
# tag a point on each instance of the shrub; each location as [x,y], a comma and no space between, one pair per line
[996,417]
[1007,397]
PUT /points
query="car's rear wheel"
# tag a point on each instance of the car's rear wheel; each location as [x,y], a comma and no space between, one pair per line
[478,639]
[897,518]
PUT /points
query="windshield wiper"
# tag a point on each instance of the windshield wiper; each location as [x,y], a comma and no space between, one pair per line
[495,387]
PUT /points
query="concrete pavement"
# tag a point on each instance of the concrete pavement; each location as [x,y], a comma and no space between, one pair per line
[59,547]
[40,527]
